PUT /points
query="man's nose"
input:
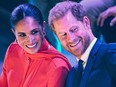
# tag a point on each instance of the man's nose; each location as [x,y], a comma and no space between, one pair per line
[70,37]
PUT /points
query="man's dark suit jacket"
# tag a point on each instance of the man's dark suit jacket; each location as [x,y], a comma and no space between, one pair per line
[100,70]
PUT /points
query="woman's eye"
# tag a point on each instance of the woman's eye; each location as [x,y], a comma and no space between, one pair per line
[22,35]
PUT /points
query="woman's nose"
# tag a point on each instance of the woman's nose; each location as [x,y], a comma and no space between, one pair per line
[30,39]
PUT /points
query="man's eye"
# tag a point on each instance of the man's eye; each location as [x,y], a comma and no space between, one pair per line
[34,32]
[63,34]
[75,29]
[22,35]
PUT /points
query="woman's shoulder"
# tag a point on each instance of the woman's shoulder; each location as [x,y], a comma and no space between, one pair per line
[13,49]
[60,62]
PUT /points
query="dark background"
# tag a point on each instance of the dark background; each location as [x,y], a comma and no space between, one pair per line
[6,36]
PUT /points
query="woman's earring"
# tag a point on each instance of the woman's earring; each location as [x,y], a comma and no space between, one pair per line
[44,33]
[16,40]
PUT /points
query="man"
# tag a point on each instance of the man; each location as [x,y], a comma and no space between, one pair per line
[71,25]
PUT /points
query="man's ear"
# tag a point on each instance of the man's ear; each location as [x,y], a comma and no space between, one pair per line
[86,21]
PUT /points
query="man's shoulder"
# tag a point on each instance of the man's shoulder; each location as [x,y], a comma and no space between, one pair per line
[109,48]
[105,45]
[112,46]
[103,48]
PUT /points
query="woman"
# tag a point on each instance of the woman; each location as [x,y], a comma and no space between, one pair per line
[31,61]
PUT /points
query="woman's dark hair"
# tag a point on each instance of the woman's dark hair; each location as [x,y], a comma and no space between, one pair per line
[25,10]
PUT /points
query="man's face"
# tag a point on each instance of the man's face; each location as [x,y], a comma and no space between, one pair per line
[29,35]
[75,36]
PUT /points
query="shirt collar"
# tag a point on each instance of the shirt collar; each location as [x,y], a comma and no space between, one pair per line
[85,55]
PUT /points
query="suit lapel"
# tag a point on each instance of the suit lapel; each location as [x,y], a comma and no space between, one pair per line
[90,63]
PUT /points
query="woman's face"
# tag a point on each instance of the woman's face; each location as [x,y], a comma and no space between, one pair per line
[29,35]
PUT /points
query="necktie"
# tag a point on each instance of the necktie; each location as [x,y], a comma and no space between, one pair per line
[79,73]
[80,67]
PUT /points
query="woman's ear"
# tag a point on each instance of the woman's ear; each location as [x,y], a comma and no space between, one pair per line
[44,25]
[13,31]
[44,33]
[14,34]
